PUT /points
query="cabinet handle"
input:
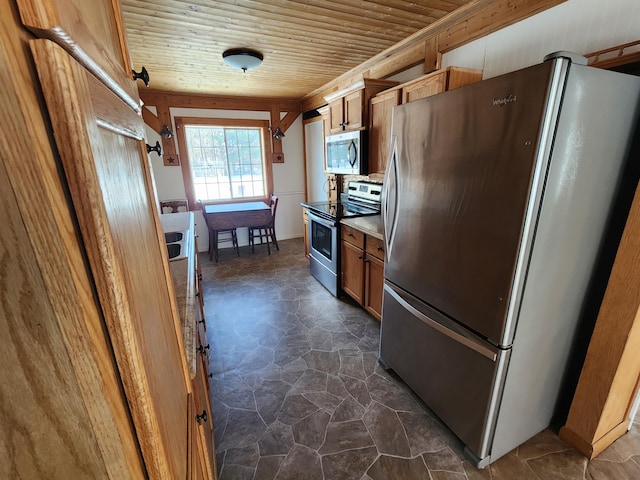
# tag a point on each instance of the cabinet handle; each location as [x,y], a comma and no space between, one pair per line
[360,257]
[380,249]
[201,321]
[157,148]
[197,294]
[200,276]
[344,124]
[210,375]
[349,234]
[202,349]
[143,75]
[202,416]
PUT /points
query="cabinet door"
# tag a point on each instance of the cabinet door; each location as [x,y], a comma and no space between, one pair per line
[106,167]
[93,33]
[380,115]
[352,266]
[353,110]
[204,418]
[426,87]
[336,116]
[374,275]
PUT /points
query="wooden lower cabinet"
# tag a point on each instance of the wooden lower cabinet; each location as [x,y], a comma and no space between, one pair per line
[362,269]
[374,285]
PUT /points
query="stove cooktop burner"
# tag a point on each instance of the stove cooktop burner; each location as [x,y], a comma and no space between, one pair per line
[340,209]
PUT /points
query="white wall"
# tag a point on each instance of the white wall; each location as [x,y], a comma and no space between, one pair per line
[288,177]
[579,26]
[314,153]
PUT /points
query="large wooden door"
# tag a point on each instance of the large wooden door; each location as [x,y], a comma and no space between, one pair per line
[105,164]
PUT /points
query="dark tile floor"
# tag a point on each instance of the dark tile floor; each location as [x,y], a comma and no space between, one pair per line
[298,393]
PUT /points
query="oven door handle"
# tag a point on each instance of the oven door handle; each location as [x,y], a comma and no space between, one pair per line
[312,217]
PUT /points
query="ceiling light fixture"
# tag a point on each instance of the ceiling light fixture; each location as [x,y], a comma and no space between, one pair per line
[242,58]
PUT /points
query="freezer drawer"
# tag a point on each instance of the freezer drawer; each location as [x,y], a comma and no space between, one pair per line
[456,373]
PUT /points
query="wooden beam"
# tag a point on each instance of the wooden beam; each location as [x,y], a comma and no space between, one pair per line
[182,100]
[432,55]
[151,120]
[408,57]
[288,119]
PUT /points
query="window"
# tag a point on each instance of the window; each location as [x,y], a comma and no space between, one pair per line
[224,159]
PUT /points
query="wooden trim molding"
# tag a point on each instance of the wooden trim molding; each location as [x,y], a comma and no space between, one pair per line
[185,164]
[608,383]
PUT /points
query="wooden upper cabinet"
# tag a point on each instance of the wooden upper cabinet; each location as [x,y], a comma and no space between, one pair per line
[449,78]
[381,107]
[92,31]
[424,87]
[349,107]
[353,110]
[381,111]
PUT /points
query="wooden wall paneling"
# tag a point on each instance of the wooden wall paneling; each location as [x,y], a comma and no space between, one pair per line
[63,407]
[103,165]
[599,413]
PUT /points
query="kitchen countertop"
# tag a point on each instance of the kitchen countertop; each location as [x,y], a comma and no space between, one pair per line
[183,274]
[370,225]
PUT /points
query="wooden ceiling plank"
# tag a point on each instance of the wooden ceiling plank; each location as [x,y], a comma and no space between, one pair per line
[462,35]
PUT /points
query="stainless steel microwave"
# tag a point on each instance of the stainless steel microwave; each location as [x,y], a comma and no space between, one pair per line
[346,153]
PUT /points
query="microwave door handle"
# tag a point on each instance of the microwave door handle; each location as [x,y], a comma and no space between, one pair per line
[353,156]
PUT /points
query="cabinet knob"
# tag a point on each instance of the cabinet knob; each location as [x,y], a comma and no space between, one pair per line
[197,294]
[143,75]
[202,349]
[157,148]
[200,276]
[202,416]
[201,321]
[344,124]
[360,257]
[349,234]
[380,249]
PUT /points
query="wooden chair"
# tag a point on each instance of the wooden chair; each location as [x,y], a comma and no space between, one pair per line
[174,206]
[215,237]
[266,233]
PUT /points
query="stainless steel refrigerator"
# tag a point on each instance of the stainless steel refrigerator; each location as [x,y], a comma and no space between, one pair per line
[497,198]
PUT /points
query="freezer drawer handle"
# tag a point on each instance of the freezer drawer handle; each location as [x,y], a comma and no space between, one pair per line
[441,328]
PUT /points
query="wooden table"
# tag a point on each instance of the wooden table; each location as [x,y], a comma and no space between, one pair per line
[227,216]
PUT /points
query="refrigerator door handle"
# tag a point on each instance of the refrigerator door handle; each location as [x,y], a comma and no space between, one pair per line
[458,337]
[390,201]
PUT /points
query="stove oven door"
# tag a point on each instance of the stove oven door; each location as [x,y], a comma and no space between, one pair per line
[323,251]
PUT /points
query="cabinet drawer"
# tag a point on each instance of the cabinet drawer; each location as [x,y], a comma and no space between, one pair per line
[375,247]
[353,236]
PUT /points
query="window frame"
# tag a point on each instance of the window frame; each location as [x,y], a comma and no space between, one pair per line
[185,163]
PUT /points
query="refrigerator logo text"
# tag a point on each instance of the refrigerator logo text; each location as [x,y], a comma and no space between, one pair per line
[501,102]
